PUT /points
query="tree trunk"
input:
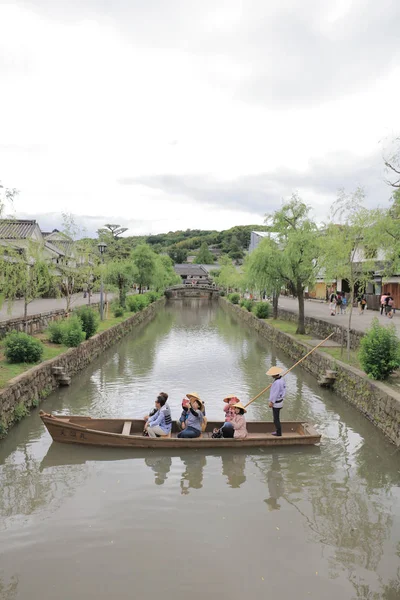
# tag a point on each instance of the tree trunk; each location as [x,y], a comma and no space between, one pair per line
[349,321]
[275,298]
[122,296]
[26,314]
[140,288]
[300,297]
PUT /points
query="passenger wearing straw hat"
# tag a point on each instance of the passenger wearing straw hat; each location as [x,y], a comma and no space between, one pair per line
[239,421]
[276,396]
[185,412]
[236,427]
[193,424]
[228,407]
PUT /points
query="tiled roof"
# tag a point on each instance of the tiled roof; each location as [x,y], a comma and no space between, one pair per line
[54,248]
[16,229]
[190,269]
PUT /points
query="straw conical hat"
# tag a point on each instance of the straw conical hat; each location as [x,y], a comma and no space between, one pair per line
[230,398]
[239,405]
[274,371]
[196,397]
[193,395]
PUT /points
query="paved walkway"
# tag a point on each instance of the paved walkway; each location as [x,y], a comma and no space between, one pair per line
[320,310]
[45,305]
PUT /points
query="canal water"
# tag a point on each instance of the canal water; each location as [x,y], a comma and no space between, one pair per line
[309,522]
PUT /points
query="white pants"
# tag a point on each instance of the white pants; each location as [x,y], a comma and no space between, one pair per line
[154,431]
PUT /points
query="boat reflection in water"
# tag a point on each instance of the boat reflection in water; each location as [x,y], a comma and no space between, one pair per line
[233,464]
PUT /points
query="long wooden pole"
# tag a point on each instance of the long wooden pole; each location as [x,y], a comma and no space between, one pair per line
[286,372]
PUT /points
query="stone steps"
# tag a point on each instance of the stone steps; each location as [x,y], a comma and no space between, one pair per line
[61,376]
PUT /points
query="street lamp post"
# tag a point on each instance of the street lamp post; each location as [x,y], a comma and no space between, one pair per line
[102,248]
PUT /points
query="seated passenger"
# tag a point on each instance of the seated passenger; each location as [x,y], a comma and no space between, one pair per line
[185,411]
[236,426]
[239,421]
[184,414]
[154,410]
[192,426]
[161,423]
[228,407]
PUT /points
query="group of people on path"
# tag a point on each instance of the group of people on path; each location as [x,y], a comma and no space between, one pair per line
[338,304]
[193,420]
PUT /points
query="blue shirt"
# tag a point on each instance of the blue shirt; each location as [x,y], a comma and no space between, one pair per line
[195,419]
[162,418]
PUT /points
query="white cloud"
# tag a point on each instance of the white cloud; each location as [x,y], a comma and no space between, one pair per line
[222,94]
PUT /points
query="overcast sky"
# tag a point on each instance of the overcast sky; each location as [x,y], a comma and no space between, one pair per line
[169,114]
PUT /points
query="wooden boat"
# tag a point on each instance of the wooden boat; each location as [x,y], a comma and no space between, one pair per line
[127,433]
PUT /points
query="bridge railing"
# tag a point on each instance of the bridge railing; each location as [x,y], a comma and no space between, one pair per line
[198,286]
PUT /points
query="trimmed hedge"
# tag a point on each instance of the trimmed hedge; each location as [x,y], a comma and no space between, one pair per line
[234,298]
[379,351]
[90,320]
[22,348]
[262,310]
[68,332]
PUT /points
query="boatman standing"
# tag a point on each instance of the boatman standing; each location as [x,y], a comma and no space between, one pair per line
[276,396]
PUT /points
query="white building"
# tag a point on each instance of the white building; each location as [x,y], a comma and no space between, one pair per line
[257,236]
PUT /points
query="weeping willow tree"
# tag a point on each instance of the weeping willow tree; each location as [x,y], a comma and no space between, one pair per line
[265,270]
[298,248]
[25,272]
[350,244]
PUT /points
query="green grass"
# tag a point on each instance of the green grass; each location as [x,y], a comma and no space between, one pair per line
[335,353]
[288,327]
[107,323]
[9,371]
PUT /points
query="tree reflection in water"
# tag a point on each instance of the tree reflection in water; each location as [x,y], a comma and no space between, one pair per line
[335,510]
[26,490]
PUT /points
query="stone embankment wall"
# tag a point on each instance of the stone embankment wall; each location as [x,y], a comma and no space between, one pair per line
[322,329]
[35,323]
[29,388]
[379,403]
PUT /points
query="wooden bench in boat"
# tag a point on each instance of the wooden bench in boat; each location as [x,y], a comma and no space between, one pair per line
[126,430]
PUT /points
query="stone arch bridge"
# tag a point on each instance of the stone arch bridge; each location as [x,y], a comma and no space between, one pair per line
[192,291]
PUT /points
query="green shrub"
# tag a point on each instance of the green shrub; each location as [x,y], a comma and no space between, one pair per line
[22,348]
[20,411]
[234,298]
[55,331]
[118,311]
[137,302]
[379,351]
[262,310]
[72,332]
[152,296]
[248,304]
[35,402]
[222,293]
[90,320]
